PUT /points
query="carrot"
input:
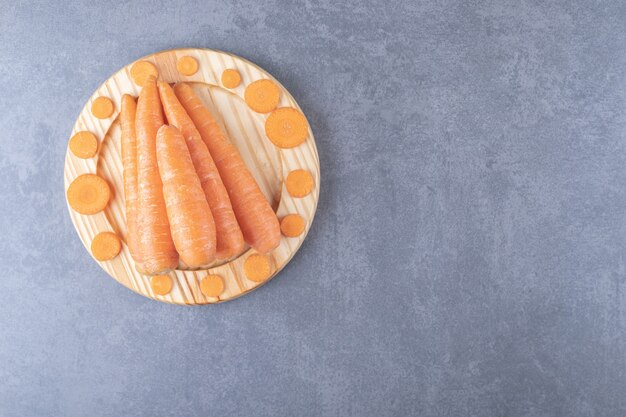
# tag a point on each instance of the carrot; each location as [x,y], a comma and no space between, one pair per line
[161,284]
[102,107]
[262,96]
[129,162]
[292,225]
[187,65]
[154,242]
[299,183]
[105,246]
[141,70]
[286,127]
[88,194]
[191,222]
[229,237]
[257,267]
[256,218]
[84,144]
[212,285]
[231,78]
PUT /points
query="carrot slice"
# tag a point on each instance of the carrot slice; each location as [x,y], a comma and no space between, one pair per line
[102,107]
[256,218]
[286,127]
[292,225]
[299,183]
[129,162]
[212,285]
[84,144]
[262,96]
[187,65]
[88,194]
[191,222]
[229,237]
[158,253]
[257,268]
[141,70]
[231,78]
[161,284]
[105,246]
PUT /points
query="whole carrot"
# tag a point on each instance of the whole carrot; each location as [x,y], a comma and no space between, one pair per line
[129,161]
[155,244]
[191,222]
[256,218]
[229,237]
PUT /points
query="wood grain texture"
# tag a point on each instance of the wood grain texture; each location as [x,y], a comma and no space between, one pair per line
[268,164]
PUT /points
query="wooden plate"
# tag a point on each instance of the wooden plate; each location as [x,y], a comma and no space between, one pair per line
[269,165]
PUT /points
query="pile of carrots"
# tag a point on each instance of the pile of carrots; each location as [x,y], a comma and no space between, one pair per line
[190,199]
[189,195]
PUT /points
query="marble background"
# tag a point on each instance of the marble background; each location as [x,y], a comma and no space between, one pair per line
[468,254]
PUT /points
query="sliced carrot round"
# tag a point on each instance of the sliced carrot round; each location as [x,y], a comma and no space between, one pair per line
[102,107]
[105,246]
[161,284]
[299,183]
[292,225]
[212,285]
[257,268]
[84,144]
[141,70]
[187,65]
[262,96]
[231,78]
[88,194]
[286,127]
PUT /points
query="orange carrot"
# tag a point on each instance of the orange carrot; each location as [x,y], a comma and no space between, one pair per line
[212,285]
[256,218]
[292,225]
[191,222]
[262,96]
[105,246]
[299,183]
[141,70]
[102,107]
[129,161]
[161,284]
[229,237]
[88,194]
[187,65]
[231,78]
[286,127]
[84,144]
[154,243]
[257,267]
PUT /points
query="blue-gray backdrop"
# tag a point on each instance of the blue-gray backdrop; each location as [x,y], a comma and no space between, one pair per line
[467,258]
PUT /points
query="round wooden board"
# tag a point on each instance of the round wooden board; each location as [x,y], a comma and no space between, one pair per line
[268,164]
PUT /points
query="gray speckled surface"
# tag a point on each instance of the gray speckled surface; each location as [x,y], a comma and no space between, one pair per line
[468,255]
